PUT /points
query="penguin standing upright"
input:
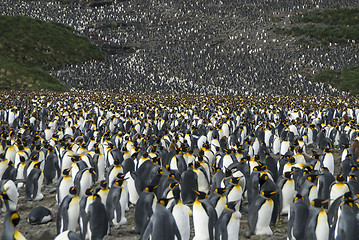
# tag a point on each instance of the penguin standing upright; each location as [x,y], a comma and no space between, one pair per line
[204,217]
[63,185]
[347,222]
[297,218]
[115,204]
[338,188]
[68,213]
[12,219]
[161,226]
[287,186]
[34,183]
[228,223]
[84,179]
[181,214]
[317,225]
[97,221]
[260,214]
[328,160]
[144,208]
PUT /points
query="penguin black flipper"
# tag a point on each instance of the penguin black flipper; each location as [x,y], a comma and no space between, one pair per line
[62,220]
[221,226]
[253,216]
[31,186]
[97,218]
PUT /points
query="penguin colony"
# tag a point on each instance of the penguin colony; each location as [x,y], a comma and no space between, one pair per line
[216,47]
[173,158]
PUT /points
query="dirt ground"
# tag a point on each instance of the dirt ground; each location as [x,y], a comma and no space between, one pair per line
[125,232]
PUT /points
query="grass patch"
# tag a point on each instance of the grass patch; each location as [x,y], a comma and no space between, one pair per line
[28,46]
[346,79]
[335,25]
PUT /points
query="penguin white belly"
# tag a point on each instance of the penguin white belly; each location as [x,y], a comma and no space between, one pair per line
[123,203]
[276,146]
[181,216]
[200,222]
[64,187]
[322,229]
[39,195]
[338,190]
[221,203]
[328,162]
[313,193]
[133,194]
[288,193]
[284,147]
[233,226]
[255,147]
[299,158]
[85,183]
[227,160]
[203,185]
[235,193]
[264,217]
[101,168]
[113,174]
[73,213]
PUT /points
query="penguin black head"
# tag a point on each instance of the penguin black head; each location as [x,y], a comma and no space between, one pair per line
[164,201]
[318,203]
[312,177]
[235,180]
[103,184]
[200,194]
[120,176]
[297,197]
[220,191]
[92,170]
[263,178]
[267,194]
[14,218]
[66,171]
[89,191]
[231,205]
[340,178]
[151,188]
[116,162]
[37,165]
[288,174]
[73,190]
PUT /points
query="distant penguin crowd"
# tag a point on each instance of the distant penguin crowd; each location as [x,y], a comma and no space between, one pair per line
[190,166]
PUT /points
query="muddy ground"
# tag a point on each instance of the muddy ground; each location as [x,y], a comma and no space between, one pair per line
[125,232]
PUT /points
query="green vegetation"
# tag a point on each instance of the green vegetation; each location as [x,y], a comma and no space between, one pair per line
[318,28]
[345,79]
[28,47]
[321,27]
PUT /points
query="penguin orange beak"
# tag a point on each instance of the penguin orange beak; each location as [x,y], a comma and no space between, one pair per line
[325,201]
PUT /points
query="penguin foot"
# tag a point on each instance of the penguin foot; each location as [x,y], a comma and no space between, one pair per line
[39,197]
[123,221]
[248,234]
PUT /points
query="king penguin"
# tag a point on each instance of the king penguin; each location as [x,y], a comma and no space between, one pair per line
[287,186]
[260,214]
[228,223]
[34,183]
[97,221]
[297,218]
[63,185]
[12,219]
[161,226]
[181,214]
[317,224]
[68,213]
[204,217]
[144,208]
